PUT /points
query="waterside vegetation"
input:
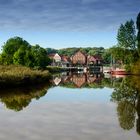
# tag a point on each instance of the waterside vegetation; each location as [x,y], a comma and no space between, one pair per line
[12,75]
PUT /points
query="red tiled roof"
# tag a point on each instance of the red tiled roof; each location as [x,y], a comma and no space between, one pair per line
[65,58]
[93,58]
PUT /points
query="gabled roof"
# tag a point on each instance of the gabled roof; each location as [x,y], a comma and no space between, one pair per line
[94,57]
[81,52]
[65,58]
[53,55]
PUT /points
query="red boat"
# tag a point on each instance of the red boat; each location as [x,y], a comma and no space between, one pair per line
[119,71]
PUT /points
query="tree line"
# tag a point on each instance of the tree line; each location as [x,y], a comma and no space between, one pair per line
[19,52]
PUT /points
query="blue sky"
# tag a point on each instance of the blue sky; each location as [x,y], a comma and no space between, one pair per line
[65,23]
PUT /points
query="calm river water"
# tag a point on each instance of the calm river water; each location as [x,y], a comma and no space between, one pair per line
[73,107]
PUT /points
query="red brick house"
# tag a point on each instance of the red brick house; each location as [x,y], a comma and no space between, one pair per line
[94,60]
[65,61]
[79,58]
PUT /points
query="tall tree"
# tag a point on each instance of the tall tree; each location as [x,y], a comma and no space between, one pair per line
[127,41]
[138,35]
[127,35]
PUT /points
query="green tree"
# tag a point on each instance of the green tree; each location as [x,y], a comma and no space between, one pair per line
[23,57]
[127,41]
[19,55]
[138,35]
[51,50]
[127,35]
[10,47]
[20,52]
[41,60]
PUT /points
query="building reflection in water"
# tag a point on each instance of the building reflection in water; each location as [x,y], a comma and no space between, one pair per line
[78,79]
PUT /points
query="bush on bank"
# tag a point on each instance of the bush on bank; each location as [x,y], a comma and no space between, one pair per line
[19,75]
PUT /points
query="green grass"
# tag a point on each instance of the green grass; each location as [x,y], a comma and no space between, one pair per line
[19,75]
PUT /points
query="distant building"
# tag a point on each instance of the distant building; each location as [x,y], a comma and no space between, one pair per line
[94,60]
[79,58]
[57,57]
[65,61]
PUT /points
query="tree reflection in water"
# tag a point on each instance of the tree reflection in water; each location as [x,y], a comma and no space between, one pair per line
[19,98]
[127,96]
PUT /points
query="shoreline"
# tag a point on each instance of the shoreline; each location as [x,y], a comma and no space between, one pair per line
[13,76]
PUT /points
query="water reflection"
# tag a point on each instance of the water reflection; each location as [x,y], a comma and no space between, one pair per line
[127,96]
[19,98]
[77,80]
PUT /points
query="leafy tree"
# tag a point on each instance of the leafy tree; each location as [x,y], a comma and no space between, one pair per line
[127,42]
[126,35]
[138,35]
[92,52]
[19,56]
[10,47]
[51,50]
[28,59]
[68,51]
[20,52]
[107,56]
[41,60]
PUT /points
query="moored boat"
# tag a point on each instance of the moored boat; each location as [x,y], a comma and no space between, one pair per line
[119,71]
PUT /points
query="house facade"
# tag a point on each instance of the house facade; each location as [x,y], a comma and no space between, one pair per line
[57,57]
[58,60]
[65,61]
[94,60]
[79,58]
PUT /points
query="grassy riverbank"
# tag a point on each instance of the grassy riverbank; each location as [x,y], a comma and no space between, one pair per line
[18,75]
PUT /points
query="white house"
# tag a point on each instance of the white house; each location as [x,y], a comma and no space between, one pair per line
[57,57]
